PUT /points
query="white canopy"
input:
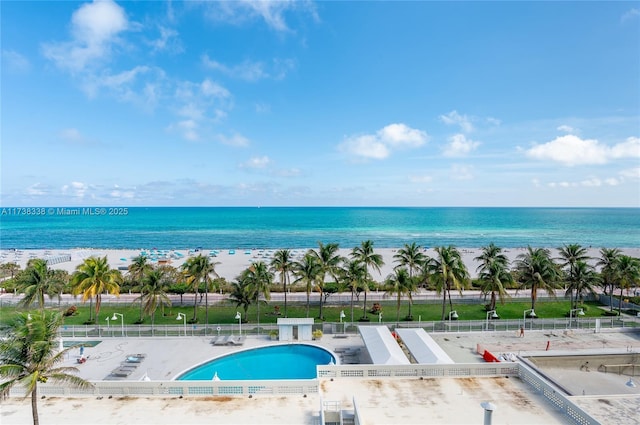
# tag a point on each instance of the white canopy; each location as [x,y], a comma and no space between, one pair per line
[422,347]
[382,346]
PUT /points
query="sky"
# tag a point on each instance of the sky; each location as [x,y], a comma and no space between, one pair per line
[300,103]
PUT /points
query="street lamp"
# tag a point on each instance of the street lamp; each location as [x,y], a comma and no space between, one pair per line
[532,314]
[115,317]
[239,318]
[183,317]
[493,315]
[342,316]
[108,319]
[380,317]
[578,311]
[453,315]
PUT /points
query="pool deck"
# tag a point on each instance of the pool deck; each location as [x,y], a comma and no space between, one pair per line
[381,401]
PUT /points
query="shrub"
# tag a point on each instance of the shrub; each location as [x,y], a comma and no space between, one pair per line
[71,311]
[317,334]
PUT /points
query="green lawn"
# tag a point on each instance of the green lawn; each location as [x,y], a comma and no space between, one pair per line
[225,313]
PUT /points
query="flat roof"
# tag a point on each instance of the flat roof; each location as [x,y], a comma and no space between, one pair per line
[382,346]
[295,321]
[422,347]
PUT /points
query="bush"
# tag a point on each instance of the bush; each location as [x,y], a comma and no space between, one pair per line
[71,311]
[317,334]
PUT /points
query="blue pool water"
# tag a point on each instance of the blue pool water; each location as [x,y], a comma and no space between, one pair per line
[291,361]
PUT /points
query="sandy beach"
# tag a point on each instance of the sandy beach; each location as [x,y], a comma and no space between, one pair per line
[231,262]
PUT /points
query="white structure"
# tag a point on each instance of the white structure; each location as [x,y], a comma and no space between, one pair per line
[422,347]
[382,346]
[295,329]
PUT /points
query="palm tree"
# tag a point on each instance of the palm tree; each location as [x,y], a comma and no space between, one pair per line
[353,275]
[198,270]
[580,280]
[259,278]
[607,263]
[242,294]
[401,284]
[627,274]
[329,260]
[493,272]
[411,257]
[93,278]
[307,272]
[570,255]
[282,263]
[137,269]
[447,271]
[36,281]
[153,293]
[9,268]
[29,355]
[365,254]
[536,270]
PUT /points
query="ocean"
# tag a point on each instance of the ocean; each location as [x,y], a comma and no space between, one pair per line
[304,227]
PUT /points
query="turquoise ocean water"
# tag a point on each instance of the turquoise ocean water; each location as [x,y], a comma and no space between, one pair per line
[293,227]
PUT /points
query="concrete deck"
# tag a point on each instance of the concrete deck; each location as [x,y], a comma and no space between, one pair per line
[381,401]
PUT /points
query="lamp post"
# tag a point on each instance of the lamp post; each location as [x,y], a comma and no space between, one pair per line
[342,316]
[239,318]
[115,317]
[380,317]
[108,319]
[578,311]
[453,315]
[183,317]
[532,314]
[493,315]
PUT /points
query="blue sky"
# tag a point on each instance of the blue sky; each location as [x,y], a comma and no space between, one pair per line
[320,103]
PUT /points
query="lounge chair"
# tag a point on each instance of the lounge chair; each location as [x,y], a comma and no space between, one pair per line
[121,372]
[235,340]
[132,359]
[221,340]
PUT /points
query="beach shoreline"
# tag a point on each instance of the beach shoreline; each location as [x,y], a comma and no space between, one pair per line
[231,262]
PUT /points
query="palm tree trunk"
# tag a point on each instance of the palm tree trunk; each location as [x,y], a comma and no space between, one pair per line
[352,307]
[444,302]
[364,305]
[398,308]
[34,405]
[141,309]
[284,289]
[98,305]
[308,302]
[206,308]
[195,305]
[492,303]
[321,302]
[620,301]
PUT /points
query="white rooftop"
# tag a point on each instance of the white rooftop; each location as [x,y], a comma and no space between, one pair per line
[422,347]
[382,346]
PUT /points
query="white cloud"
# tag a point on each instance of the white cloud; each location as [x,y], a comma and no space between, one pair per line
[15,62]
[235,139]
[632,173]
[454,118]
[630,148]
[461,172]
[256,163]
[630,14]
[168,41]
[38,189]
[566,129]
[212,89]
[76,189]
[571,150]
[94,30]
[272,12]
[459,145]
[420,179]
[381,144]
[252,71]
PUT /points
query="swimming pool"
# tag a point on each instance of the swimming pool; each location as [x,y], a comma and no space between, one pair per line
[288,361]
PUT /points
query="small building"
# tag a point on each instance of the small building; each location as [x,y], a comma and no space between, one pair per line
[295,329]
